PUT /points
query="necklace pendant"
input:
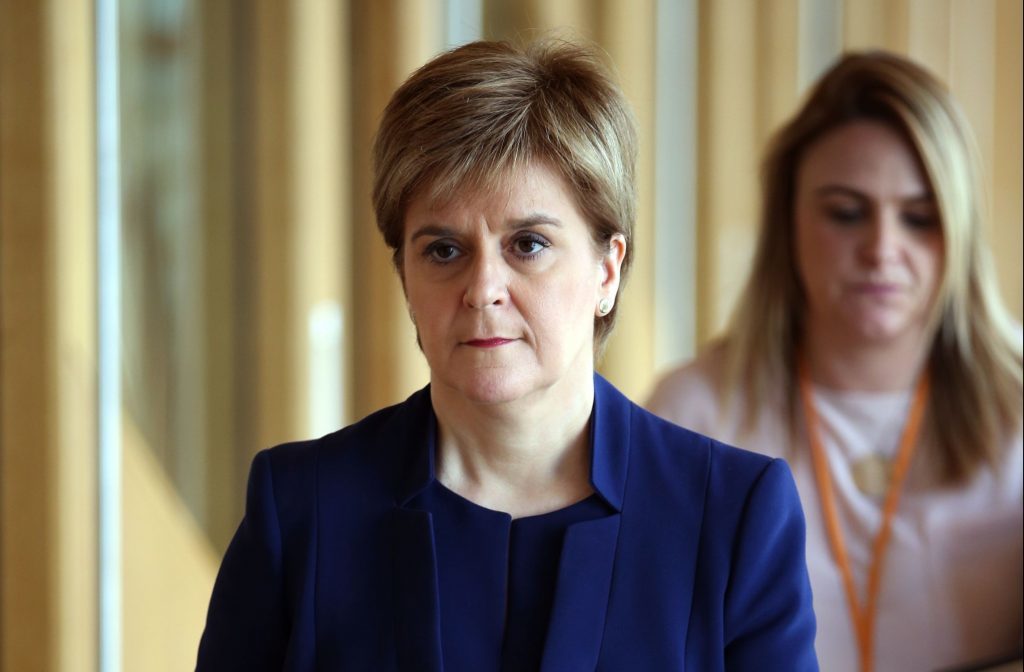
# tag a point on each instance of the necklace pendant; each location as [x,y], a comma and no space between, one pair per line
[872,474]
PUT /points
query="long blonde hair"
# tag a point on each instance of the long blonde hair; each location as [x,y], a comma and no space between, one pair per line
[975,359]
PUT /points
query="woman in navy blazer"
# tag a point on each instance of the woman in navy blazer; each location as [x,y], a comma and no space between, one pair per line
[518,513]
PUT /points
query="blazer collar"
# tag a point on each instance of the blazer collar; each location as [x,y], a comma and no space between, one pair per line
[417,443]
[609,444]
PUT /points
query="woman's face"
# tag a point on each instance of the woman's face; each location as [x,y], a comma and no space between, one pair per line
[504,288]
[869,242]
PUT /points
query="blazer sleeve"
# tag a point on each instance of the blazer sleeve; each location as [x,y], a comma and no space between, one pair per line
[769,618]
[246,625]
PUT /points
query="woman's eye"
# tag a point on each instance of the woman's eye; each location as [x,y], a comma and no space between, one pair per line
[529,246]
[842,215]
[919,220]
[442,252]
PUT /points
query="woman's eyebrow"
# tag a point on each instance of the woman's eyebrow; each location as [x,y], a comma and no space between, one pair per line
[842,190]
[538,219]
[434,230]
[924,197]
[831,189]
[441,231]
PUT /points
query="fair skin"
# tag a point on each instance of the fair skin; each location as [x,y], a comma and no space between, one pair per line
[504,288]
[869,249]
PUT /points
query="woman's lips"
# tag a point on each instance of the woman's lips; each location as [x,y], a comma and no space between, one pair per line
[488,342]
[877,288]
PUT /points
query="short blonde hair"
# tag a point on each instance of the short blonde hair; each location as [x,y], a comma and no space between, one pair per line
[975,361]
[470,117]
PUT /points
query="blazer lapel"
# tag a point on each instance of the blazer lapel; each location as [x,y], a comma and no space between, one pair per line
[417,606]
[580,606]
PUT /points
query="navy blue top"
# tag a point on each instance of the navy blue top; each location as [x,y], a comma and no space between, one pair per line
[496,578]
[696,564]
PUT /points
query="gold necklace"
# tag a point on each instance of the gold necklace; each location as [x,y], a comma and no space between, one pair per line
[872,474]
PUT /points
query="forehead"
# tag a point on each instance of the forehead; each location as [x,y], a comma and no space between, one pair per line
[868,156]
[533,188]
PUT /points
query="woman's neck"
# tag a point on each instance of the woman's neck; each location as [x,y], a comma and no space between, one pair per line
[524,457]
[839,364]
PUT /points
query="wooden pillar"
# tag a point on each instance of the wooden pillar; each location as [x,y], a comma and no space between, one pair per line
[28,594]
[876,23]
[320,184]
[1007,176]
[223,315]
[48,570]
[626,29]
[389,40]
[269,192]
[727,193]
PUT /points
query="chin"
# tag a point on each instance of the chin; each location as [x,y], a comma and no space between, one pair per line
[877,325]
[881,332]
[491,387]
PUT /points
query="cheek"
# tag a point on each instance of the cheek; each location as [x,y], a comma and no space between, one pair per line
[425,307]
[931,261]
[823,261]
[807,245]
[558,307]
[825,250]
[413,297]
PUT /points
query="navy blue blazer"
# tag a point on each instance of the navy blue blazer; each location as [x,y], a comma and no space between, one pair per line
[701,567]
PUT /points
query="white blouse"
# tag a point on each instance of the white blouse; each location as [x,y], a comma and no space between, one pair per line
[951,586]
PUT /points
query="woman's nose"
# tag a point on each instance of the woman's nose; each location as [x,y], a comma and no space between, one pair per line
[487,284]
[882,238]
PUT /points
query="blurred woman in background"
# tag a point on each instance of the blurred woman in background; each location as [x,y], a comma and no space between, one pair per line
[871,348]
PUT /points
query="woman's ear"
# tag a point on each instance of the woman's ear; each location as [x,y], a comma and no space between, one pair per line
[611,265]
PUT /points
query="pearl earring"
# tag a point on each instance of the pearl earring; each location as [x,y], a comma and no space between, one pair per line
[604,307]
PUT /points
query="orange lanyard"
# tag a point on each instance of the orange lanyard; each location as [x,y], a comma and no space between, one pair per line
[863,616]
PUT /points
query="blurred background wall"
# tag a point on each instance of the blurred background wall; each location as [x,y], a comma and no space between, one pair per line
[254,301]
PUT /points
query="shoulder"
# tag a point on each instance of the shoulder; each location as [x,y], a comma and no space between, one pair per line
[675,451]
[675,468]
[747,481]
[760,534]
[365,451]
